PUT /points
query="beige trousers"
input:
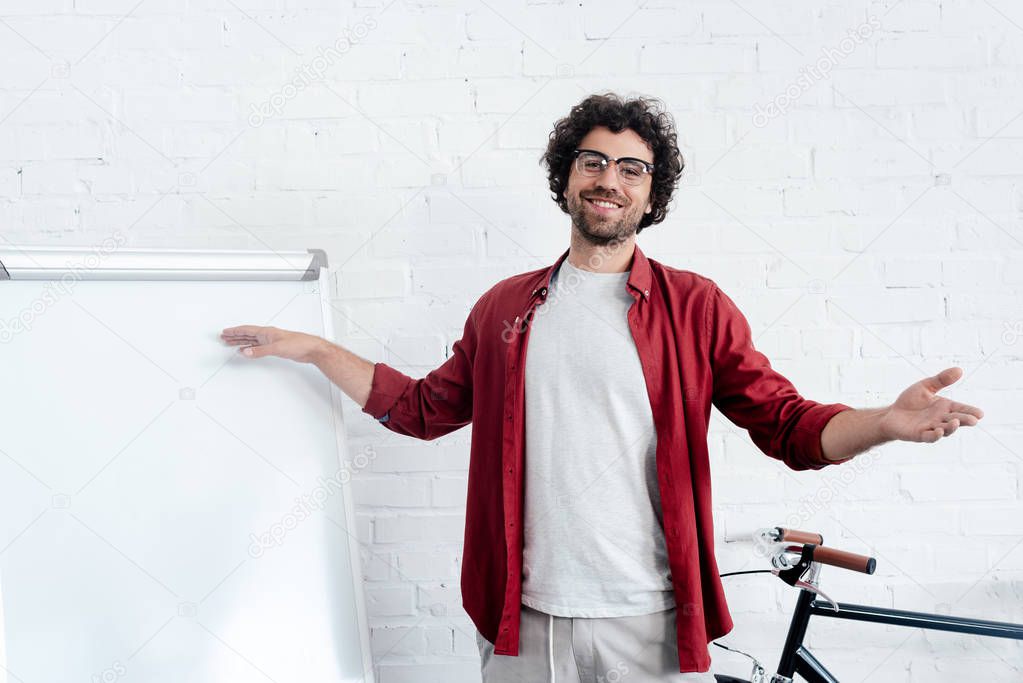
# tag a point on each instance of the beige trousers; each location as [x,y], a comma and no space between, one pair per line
[552,649]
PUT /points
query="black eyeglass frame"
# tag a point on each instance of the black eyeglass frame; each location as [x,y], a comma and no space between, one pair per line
[648,168]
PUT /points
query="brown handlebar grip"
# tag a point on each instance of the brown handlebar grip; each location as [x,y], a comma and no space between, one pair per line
[840,558]
[796,536]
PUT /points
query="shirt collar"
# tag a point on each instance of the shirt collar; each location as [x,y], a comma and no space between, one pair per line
[639,275]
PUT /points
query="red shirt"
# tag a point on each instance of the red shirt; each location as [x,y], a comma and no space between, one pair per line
[696,349]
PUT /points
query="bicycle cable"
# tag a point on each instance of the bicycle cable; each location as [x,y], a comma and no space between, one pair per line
[758,669]
[732,649]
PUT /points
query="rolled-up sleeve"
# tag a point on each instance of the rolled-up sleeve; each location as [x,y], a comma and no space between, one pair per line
[433,406]
[754,396]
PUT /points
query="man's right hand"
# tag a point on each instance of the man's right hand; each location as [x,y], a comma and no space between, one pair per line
[257,342]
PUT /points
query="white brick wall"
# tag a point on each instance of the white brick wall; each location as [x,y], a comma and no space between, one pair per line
[872,233]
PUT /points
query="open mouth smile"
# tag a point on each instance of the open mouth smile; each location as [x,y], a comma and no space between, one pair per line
[603,205]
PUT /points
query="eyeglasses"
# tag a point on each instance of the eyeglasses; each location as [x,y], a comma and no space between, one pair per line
[631,171]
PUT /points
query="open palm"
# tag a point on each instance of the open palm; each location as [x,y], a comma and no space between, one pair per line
[919,414]
[258,342]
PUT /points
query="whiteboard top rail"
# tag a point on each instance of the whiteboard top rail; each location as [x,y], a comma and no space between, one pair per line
[112,262]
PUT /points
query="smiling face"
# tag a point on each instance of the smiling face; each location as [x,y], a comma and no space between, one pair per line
[603,208]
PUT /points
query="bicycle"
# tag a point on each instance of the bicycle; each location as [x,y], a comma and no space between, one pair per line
[797,557]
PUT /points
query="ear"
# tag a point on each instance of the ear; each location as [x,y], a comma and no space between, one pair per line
[649,208]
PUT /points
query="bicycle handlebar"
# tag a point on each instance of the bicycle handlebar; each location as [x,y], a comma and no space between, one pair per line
[824,555]
[795,536]
[845,560]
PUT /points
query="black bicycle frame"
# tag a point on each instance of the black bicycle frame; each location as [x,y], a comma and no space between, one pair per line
[796,659]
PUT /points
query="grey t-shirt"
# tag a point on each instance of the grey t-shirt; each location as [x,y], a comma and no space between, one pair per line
[594,539]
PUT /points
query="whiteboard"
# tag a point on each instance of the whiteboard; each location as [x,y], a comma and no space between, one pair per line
[170,510]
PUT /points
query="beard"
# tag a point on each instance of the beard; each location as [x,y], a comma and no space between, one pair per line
[600,230]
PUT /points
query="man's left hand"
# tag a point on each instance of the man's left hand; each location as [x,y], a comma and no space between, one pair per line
[919,414]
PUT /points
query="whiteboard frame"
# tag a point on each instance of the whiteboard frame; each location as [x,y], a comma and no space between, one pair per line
[340,433]
[109,261]
[58,263]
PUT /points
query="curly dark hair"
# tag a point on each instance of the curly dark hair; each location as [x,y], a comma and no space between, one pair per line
[644,115]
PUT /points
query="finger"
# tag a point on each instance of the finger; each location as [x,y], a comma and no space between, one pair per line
[242,341]
[259,351]
[241,331]
[967,409]
[943,379]
[931,435]
[951,426]
[965,419]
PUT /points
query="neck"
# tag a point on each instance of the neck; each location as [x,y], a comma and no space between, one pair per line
[615,257]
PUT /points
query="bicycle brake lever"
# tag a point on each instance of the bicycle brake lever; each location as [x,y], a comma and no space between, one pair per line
[791,575]
[794,575]
[814,589]
[799,583]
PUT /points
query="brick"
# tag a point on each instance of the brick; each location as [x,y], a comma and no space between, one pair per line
[428,566]
[442,599]
[933,51]
[984,483]
[899,306]
[828,343]
[392,492]
[430,672]
[868,162]
[377,566]
[395,641]
[533,95]
[449,491]
[10,182]
[32,7]
[991,160]
[447,96]
[711,57]
[666,22]
[188,104]
[544,24]
[890,341]
[908,15]
[766,162]
[390,601]
[857,89]
[729,20]
[379,283]
[615,57]
[418,528]
[990,305]
[435,240]
[840,196]
[417,350]
[912,272]
[874,521]
[464,136]
[506,169]
[361,62]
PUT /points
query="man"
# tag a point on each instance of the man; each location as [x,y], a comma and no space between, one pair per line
[588,551]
